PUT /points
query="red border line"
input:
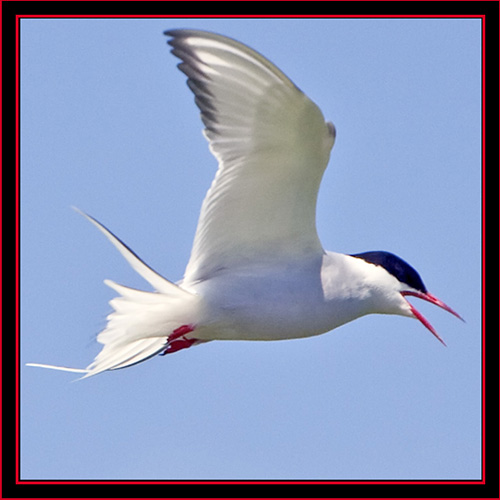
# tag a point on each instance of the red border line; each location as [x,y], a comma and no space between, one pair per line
[256,16]
[17,247]
[19,481]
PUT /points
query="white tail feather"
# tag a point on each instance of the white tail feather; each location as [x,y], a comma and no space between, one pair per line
[141,322]
[62,368]
[151,276]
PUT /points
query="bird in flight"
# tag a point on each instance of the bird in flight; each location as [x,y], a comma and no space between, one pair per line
[257,269]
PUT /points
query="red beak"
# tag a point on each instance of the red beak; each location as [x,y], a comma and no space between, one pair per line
[433,300]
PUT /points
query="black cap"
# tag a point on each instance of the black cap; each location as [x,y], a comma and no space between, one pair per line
[395,266]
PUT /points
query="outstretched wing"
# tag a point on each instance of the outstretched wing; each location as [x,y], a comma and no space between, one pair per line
[272,144]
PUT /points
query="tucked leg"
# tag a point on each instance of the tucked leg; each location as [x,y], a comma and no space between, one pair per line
[177,340]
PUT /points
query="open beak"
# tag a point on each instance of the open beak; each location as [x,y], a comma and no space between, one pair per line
[433,300]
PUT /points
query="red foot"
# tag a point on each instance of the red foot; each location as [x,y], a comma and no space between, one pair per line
[179,332]
[176,340]
[178,345]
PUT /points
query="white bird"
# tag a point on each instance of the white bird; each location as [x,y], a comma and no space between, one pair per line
[257,269]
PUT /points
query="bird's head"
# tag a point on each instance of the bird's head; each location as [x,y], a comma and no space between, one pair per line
[409,284]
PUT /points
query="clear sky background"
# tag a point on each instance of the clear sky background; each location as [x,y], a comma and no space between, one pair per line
[109,125]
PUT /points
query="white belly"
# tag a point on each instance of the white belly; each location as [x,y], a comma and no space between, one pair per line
[255,304]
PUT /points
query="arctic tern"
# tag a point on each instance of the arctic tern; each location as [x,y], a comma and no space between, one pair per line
[257,269]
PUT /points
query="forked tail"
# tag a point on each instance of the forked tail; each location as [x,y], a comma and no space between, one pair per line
[141,322]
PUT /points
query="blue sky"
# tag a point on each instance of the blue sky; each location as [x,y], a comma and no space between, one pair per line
[109,125]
